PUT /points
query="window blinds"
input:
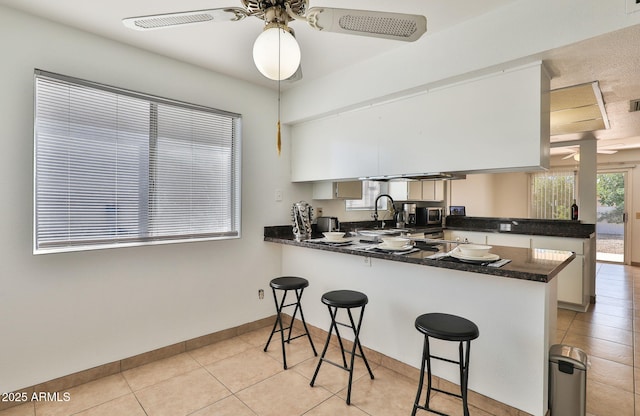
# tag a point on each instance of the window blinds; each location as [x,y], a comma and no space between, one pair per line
[552,193]
[113,167]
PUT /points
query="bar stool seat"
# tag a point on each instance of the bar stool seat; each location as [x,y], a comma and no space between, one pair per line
[448,328]
[287,283]
[344,299]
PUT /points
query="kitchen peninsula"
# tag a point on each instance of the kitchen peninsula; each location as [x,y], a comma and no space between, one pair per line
[514,306]
[576,282]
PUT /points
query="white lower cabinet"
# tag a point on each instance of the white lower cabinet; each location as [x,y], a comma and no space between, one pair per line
[468,236]
[573,281]
[509,240]
[570,282]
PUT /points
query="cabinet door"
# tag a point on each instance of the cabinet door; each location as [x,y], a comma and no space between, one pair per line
[433,190]
[415,190]
[348,190]
[573,279]
[398,190]
[334,148]
[471,236]
[405,190]
[509,240]
[337,190]
[559,243]
[570,282]
[428,190]
[439,190]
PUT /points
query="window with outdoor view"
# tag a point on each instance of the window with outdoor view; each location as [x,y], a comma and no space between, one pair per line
[115,168]
[552,193]
[370,191]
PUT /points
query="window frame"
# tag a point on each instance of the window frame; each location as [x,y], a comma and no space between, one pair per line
[233,169]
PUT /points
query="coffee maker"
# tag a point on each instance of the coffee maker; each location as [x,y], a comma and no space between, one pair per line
[409,211]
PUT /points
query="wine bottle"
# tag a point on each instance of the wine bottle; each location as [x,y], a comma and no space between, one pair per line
[574,211]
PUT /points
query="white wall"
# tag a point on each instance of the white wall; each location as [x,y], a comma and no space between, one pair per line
[511,195]
[475,193]
[62,313]
[504,195]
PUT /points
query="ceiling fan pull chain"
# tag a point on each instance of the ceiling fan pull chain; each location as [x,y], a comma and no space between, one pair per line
[279,140]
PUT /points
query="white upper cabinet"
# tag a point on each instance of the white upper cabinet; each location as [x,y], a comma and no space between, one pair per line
[417,190]
[433,190]
[499,122]
[496,122]
[405,190]
[338,147]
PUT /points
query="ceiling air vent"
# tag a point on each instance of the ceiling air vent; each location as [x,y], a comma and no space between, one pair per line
[634,105]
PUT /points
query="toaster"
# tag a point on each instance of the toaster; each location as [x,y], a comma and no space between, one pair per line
[328,224]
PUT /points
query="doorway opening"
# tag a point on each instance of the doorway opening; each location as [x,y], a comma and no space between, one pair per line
[611,216]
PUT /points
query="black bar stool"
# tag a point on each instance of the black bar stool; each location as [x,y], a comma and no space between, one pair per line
[288,283]
[344,299]
[449,328]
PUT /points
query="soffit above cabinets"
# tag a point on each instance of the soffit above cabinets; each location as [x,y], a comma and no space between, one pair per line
[576,109]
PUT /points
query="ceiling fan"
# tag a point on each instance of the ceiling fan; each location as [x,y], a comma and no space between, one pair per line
[276,52]
[605,150]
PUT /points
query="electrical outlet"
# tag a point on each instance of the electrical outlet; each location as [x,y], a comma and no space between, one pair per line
[367,261]
[319,212]
[260,294]
[278,195]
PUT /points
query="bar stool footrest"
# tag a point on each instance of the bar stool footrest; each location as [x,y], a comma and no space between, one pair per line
[431,410]
[445,359]
[459,396]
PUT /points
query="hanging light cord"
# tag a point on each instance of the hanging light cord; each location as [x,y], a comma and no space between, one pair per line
[279,140]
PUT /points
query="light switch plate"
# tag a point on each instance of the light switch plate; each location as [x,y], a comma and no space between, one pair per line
[278,195]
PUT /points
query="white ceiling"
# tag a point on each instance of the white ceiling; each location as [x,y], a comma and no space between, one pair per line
[614,61]
[226,47]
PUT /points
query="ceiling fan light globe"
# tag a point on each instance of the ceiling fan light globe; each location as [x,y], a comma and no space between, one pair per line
[265,54]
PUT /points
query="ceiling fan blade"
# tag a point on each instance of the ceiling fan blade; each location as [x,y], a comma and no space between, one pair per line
[607,152]
[396,26]
[570,155]
[160,21]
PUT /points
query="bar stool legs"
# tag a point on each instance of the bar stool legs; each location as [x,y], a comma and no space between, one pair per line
[296,284]
[449,328]
[345,299]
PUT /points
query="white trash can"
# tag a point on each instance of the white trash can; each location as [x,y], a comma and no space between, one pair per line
[567,381]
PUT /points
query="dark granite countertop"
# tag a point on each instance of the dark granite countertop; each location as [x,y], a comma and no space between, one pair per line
[527,264]
[528,226]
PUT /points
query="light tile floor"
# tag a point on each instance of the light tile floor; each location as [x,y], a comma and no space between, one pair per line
[236,378]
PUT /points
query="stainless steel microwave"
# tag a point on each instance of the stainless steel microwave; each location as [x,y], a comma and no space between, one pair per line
[434,216]
[428,216]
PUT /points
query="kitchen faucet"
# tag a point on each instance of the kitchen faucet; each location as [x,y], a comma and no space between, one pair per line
[375,212]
